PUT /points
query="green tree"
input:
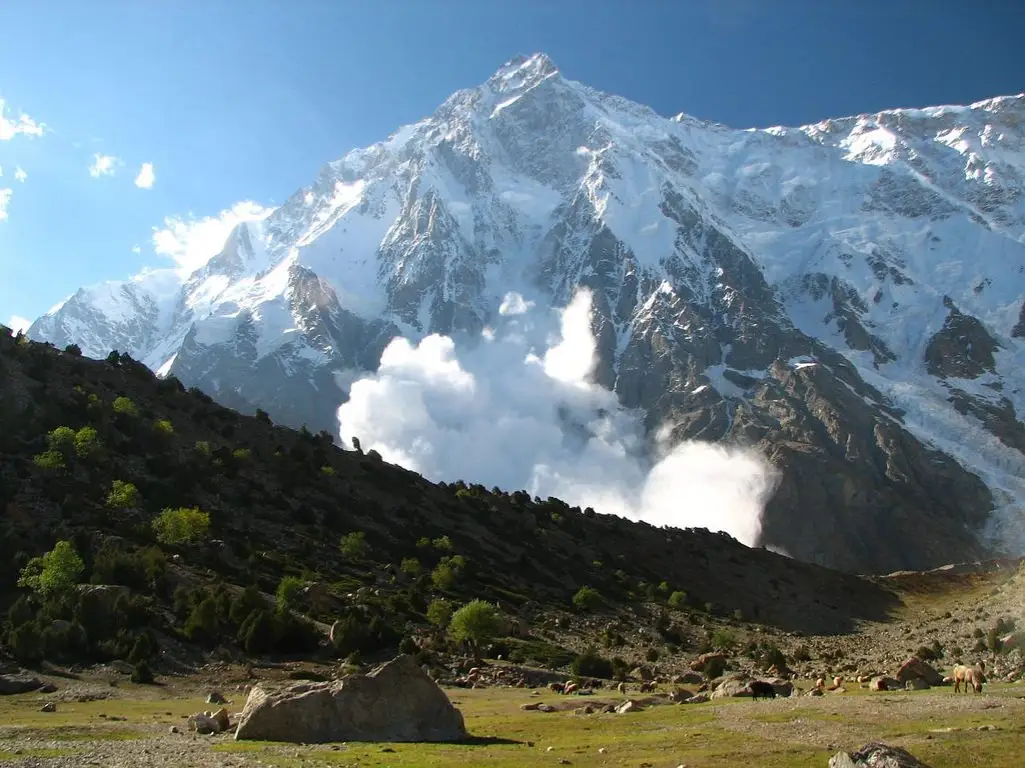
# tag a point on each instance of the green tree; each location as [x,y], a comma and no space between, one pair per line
[678,600]
[476,624]
[591,664]
[410,566]
[61,439]
[123,495]
[56,571]
[163,427]
[439,612]
[50,461]
[443,576]
[125,407]
[181,526]
[587,599]
[288,592]
[354,545]
[87,443]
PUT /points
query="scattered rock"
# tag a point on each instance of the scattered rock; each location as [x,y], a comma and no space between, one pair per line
[641,673]
[815,692]
[223,721]
[396,702]
[48,707]
[876,755]
[916,684]
[699,663]
[698,698]
[202,723]
[731,688]
[48,688]
[627,706]
[216,697]
[883,683]
[173,729]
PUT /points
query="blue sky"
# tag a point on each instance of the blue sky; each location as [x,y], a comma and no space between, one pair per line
[233,101]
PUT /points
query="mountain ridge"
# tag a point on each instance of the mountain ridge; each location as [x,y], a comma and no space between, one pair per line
[858,366]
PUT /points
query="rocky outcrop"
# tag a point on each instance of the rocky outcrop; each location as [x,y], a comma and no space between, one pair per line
[962,348]
[916,669]
[19,683]
[876,755]
[396,702]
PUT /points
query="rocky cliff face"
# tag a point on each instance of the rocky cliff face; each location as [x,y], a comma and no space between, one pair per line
[846,296]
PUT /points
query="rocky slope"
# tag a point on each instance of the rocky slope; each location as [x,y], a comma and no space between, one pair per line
[847,297]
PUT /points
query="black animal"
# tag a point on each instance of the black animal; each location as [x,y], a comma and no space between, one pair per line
[761,689]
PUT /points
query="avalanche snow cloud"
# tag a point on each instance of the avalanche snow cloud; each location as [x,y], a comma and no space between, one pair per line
[497,413]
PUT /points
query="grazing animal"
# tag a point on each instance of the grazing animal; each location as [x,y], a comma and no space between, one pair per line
[762,689]
[557,687]
[837,682]
[621,688]
[970,676]
[820,683]
[570,688]
[647,687]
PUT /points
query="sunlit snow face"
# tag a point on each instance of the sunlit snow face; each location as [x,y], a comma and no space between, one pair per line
[504,414]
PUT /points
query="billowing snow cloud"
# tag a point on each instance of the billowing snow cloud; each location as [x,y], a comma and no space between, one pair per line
[146,176]
[514,304]
[501,414]
[5,199]
[18,323]
[103,165]
[20,175]
[192,242]
[23,125]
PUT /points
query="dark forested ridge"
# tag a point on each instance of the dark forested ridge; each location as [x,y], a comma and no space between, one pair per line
[210,528]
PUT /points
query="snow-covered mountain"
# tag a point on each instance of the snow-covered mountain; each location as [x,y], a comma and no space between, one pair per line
[846,296]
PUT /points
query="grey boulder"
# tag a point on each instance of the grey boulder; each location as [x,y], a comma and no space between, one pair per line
[396,702]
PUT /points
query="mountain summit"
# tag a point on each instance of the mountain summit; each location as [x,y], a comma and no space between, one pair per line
[847,297]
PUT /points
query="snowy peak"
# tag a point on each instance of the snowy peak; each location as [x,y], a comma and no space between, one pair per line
[847,296]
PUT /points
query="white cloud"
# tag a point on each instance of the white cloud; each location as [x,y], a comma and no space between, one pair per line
[18,323]
[193,242]
[146,177]
[20,175]
[5,199]
[514,304]
[103,165]
[501,414]
[24,125]
[136,250]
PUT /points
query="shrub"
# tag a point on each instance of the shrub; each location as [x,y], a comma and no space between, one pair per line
[409,646]
[262,415]
[327,470]
[73,349]
[163,427]
[723,639]
[651,655]
[678,600]
[142,674]
[439,612]
[256,635]
[590,664]
[181,526]
[123,495]
[26,643]
[288,592]
[801,653]
[587,599]
[442,543]
[203,448]
[125,407]
[476,623]
[87,443]
[56,571]
[49,461]
[241,454]
[203,626]
[772,656]
[993,640]
[443,576]
[410,566]
[141,651]
[354,545]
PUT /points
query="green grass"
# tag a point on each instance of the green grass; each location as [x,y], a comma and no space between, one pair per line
[39,753]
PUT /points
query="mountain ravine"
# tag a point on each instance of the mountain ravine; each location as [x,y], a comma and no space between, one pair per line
[847,297]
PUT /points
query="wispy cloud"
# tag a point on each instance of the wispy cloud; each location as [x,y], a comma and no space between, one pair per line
[192,242]
[136,250]
[5,199]
[24,125]
[103,165]
[146,176]
[20,175]
[18,323]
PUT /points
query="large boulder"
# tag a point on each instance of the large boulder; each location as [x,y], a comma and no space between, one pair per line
[876,755]
[20,683]
[698,665]
[884,683]
[915,668]
[396,702]
[730,688]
